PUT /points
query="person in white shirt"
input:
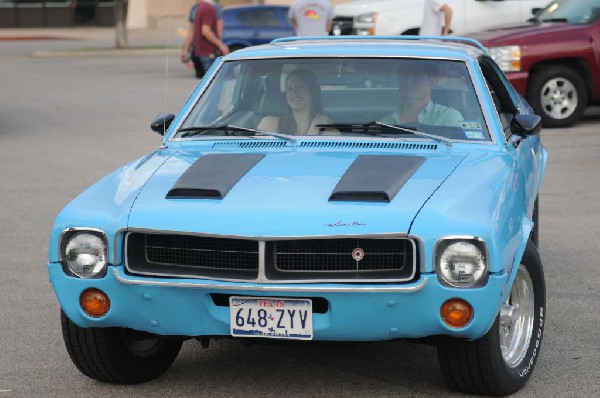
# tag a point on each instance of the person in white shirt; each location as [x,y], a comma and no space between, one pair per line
[433,13]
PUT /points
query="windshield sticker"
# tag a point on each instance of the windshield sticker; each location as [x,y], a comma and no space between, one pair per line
[471,125]
[475,135]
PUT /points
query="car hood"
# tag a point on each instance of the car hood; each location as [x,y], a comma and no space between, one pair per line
[354,8]
[517,34]
[287,194]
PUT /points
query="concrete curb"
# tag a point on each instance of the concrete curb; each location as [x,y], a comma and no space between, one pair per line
[34,38]
[101,52]
[92,34]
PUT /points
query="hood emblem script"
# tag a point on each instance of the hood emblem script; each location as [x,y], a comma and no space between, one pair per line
[345,224]
[358,254]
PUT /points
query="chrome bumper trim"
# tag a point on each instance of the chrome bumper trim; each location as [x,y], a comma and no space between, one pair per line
[279,288]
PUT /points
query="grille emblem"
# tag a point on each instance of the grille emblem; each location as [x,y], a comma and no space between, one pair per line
[358,254]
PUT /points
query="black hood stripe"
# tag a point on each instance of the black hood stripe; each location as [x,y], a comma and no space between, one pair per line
[375,178]
[213,175]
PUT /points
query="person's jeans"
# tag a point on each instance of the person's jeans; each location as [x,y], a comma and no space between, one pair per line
[198,67]
[207,62]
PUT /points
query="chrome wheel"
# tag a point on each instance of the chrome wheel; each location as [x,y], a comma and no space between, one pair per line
[559,98]
[516,319]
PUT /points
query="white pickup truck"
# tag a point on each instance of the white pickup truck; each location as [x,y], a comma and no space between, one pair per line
[403,17]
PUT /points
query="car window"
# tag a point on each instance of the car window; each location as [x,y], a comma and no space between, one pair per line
[256,18]
[430,96]
[506,100]
[572,11]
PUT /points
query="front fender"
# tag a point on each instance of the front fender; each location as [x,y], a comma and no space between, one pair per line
[526,227]
[107,203]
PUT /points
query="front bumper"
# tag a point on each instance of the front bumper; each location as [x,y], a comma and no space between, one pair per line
[355,312]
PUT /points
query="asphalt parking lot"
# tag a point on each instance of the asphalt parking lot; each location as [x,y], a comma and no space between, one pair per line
[69,117]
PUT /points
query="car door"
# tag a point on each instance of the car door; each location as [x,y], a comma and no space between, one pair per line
[525,153]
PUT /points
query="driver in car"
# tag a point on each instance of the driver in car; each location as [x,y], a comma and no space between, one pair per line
[416,81]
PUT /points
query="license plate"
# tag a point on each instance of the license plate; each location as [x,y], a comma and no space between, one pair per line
[271,317]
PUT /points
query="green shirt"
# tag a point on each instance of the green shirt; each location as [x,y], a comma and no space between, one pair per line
[434,114]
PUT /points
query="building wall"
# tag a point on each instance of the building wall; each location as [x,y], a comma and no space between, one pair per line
[142,14]
[157,13]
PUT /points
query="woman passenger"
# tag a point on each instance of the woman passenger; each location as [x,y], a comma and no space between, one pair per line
[304,108]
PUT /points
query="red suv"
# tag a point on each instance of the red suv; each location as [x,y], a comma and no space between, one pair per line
[553,59]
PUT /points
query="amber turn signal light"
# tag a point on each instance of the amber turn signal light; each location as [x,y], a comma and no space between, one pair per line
[94,302]
[456,313]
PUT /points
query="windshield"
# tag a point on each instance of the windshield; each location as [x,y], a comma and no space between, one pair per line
[572,11]
[286,98]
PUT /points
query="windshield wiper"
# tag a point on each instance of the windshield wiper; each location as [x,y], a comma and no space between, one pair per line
[414,131]
[362,128]
[191,131]
[366,128]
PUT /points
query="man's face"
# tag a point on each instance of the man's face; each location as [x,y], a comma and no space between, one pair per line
[415,84]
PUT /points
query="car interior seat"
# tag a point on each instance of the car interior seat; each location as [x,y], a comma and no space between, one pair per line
[272,101]
[454,92]
[266,99]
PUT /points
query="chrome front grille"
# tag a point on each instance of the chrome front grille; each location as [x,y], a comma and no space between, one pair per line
[297,260]
[195,251]
[188,255]
[334,256]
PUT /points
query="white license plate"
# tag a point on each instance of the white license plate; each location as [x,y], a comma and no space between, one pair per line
[271,317]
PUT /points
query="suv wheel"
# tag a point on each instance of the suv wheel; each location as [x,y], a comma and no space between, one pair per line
[500,362]
[236,47]
[558,95]
[118,355]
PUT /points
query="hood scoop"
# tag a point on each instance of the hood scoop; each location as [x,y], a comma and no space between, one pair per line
[213,175]
[375,178]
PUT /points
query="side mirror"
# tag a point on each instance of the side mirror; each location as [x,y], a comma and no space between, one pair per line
[526,124]
[534,11]
[162,123]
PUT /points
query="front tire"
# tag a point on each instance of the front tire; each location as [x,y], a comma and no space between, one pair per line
[558,95]
[118,355]
[501,362]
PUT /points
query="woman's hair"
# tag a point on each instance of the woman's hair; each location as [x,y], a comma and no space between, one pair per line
[287,123]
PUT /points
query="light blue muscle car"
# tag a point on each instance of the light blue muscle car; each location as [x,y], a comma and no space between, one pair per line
[331,189]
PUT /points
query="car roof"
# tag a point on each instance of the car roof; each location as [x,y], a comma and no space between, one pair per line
[361,46]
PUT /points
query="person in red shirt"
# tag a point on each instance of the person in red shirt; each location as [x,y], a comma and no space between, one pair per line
[207,45]
[189,37]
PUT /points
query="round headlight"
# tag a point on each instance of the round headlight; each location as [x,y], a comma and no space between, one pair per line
[462,264]
[85,255]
